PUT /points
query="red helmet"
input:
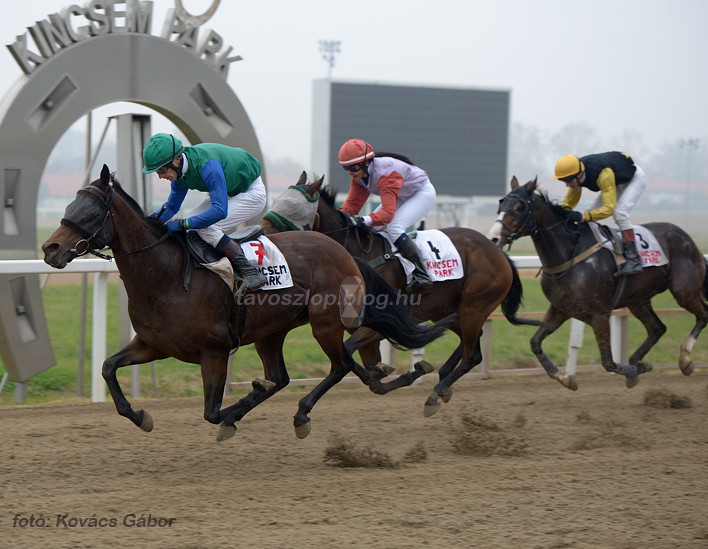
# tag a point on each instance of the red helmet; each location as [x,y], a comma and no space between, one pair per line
[354,151]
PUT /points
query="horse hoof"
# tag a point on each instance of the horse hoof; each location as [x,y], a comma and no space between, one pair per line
[447,395]
[146,423]
[686,368]
[262,385]
[643,367]
[568,382]
[225,432]
[385,369]
[301,431]
[424,366]
[432,405]
[631,381]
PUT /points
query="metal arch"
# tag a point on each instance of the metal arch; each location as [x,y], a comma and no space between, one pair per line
[190,20]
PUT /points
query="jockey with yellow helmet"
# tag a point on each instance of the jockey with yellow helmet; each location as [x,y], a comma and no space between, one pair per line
[406,194]
[232,179]
[620,183]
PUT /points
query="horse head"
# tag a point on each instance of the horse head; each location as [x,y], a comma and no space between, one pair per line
[89,222]
[516,214]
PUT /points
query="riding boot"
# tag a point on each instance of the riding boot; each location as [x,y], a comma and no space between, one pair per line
[252,277]
[633,263]
[409,250]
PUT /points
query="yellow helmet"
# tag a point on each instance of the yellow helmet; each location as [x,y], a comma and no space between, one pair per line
[567,166]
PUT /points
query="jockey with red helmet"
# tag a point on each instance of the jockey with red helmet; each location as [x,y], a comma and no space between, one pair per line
[406,194]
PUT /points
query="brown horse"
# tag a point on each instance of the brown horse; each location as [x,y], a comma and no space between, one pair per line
[204,325]
[490,279]
[579,283]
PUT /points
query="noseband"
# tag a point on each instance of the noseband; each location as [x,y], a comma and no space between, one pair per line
[88,215]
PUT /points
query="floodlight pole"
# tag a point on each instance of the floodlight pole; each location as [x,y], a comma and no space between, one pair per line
[690,145]
[329,49]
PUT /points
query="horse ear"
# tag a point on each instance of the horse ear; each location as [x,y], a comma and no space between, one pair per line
[303,178]
[105,175]
[315,187]
[533,184]
[514,182]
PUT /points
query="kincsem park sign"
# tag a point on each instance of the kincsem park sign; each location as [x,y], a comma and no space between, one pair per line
[73,62]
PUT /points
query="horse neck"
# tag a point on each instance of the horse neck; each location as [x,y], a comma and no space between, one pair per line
[132,234]
[552,242]
[332,225]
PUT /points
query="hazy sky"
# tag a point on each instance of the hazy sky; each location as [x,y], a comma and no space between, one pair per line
[618,65]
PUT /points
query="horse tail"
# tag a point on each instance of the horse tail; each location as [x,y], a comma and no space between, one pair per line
[389,313]
[514,298]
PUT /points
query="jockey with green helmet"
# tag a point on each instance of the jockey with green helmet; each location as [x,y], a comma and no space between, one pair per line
[231,177]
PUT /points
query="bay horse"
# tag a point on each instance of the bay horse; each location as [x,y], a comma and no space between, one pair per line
[205,324]
[578,281]
[490,279]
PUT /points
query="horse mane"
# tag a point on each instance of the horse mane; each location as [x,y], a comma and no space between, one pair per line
[156,224]
[556,209]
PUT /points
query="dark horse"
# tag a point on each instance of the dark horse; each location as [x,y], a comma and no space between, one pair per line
[204,325]
[577,279]
[490,279]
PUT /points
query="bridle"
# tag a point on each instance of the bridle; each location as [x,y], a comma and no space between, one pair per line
[526,219]
[89,215]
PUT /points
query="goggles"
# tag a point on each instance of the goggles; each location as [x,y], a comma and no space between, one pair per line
[354,167]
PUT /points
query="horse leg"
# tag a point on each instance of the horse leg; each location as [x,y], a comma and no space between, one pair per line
[366,341]
[655,328]
[136,352]
[693,304]
[443,389]
[553,319]
[329,336]
[601,328]
[270,351]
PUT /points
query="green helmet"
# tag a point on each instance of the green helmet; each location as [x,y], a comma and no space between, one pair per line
[159,151]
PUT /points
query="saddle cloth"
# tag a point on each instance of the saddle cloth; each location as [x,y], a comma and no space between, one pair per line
[270,261]
[648,246]
[439,255]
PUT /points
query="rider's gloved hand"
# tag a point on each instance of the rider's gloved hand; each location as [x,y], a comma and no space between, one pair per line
[355,221]
[176,225]
[575,217]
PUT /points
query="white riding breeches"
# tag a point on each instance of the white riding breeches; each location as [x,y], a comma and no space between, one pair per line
[627,196]
[241,208]
[411,210]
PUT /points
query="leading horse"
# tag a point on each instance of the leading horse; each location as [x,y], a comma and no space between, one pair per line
[490,279]
[578,279]
[204,325]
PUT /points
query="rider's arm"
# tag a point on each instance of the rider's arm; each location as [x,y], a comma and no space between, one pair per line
[571,199]
[355,198]
[174,201]
[213,176]
[608,192]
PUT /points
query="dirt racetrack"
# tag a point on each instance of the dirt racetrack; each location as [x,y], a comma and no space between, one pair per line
[507,463]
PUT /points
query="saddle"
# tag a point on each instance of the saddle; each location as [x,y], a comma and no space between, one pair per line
[201,255]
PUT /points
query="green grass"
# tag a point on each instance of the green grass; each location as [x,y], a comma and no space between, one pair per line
[510,349]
